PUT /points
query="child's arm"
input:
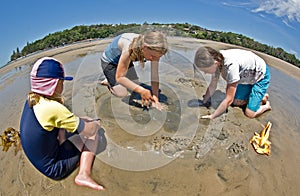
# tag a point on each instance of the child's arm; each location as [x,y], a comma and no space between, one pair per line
[211,88]
[155,84]
[154,78]
[123,80]
[230,92]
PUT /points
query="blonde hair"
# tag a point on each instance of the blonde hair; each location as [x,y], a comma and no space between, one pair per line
[34,98]
[154,40]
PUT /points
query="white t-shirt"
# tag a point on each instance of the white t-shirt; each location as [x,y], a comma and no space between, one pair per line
[242,66]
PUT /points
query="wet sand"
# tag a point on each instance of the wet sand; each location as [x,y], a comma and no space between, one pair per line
[172,152]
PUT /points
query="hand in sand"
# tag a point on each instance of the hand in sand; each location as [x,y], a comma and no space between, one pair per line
[147,98]
[156,103]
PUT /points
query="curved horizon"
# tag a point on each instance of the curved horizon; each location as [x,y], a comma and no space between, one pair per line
[275,24]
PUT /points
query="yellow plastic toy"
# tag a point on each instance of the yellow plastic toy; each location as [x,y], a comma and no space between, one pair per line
[260,142]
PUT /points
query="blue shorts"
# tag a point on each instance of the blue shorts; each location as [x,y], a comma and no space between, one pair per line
[253,93]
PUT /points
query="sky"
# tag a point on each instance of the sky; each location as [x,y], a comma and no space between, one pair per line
[272,22]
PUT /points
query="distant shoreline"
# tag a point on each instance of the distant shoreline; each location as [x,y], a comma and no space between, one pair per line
[31,58]
[82,48]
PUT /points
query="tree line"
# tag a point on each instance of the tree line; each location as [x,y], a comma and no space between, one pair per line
[99,31]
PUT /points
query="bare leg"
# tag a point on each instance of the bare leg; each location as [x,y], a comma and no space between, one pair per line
[262,109]
[78,141]
[84,176]
[105,83]
[118,90]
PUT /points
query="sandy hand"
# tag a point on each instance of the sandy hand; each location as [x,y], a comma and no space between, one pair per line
[157,105]
[147,98]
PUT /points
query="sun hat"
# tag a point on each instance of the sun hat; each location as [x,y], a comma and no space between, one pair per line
[45,74]
[48,67]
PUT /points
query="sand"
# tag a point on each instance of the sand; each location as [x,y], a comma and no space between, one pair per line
[162,153]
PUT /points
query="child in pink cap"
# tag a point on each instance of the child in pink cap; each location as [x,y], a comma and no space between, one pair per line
[44,122]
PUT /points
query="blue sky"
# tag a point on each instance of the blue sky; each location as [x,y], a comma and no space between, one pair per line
[272,22]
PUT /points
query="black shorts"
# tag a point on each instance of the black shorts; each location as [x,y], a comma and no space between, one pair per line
[110,69]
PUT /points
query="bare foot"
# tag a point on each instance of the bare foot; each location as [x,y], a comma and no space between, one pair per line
[87,181]
[105,83]
[265,99]
[268,105]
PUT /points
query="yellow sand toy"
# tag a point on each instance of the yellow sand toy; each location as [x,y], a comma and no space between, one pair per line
[260,142]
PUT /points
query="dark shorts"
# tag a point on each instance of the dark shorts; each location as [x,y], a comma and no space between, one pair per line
[67,160]
[110,69]
[69,156]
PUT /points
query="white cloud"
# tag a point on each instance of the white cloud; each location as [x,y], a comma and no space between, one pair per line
[281,8]
[236,3]
[287,24]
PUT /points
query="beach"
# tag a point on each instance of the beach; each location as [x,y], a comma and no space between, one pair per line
[172,152]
